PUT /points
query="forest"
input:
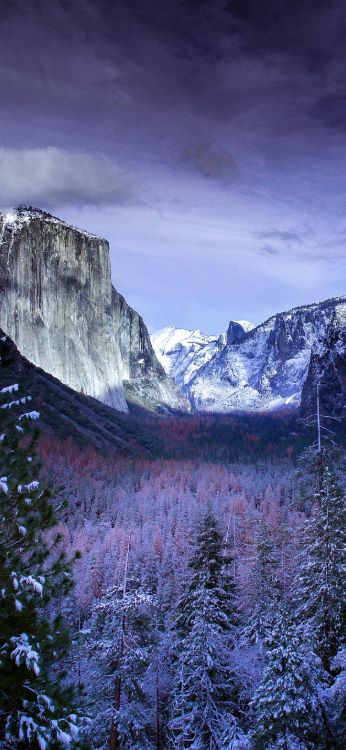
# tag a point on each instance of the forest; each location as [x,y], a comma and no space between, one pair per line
[187,600]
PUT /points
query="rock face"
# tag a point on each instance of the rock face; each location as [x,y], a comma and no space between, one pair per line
[69,414]
[327,368]
[58,305]
[274,365]
[237,330]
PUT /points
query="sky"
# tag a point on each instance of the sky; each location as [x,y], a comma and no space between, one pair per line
[205,139]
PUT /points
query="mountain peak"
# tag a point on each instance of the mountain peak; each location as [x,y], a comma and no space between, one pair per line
[14,218]
[58,305]
[237,329]
[182,351]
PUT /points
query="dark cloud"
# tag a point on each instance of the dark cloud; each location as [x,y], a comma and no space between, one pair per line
[151,69]
[278,235]
[330,111]
[210,162]
[269,250]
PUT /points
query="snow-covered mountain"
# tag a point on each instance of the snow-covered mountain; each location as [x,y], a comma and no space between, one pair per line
[264,367]
[183,352]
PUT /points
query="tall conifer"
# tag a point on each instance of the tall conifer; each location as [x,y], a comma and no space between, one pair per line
[35,702]
[204,697]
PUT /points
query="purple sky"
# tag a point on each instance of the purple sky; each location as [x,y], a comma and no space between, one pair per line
[205,139]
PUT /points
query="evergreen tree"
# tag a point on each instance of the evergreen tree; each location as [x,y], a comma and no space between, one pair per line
[263,588]
[321,581]
[286,703]
[35,702]
[335,701]
[204,693]
[120,640]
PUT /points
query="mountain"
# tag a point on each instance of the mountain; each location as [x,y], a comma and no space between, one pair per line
[58,305]
[68,414]
[273,365]
[182,352]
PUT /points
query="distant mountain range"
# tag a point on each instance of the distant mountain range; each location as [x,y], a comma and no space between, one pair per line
[274,365]
[60,309]
[182,352]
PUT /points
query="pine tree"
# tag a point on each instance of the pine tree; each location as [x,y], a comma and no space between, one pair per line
[204,692]
[35,702]
[321,581]
[286,703]
[264,592]
[335,701]
[120,642]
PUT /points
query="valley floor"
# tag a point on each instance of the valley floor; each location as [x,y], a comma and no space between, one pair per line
[137,523]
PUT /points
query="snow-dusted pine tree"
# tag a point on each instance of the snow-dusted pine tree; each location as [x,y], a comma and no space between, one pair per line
[203,705]
[286,703]
[335,701]
[263,588]
[119,642]
[321,603]
[35,704]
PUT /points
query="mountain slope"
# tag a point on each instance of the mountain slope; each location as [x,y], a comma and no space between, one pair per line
[267,368]
[327,368]
[68,414]
[58,305]
[182,352]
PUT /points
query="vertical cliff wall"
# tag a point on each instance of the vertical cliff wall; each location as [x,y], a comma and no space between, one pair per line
[58,305]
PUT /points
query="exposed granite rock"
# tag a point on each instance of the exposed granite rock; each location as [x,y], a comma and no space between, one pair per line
[235,332]
[68,414]
[327,368]
[58,305]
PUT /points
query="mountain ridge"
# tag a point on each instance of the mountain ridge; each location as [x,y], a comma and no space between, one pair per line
[266,367]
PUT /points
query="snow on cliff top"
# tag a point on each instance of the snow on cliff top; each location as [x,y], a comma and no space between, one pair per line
[170,336]
[20,215]
[182,351]
[245,324]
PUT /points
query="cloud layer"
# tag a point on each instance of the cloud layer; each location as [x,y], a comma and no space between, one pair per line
[52,177]
[231,119]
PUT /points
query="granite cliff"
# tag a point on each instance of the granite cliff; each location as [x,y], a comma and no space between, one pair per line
[67,414]
[58,305]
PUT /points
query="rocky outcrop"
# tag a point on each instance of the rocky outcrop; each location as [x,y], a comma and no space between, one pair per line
[58,305]
[235,332]
[327,370]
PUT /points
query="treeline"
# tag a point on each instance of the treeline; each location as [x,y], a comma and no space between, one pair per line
[235,437]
